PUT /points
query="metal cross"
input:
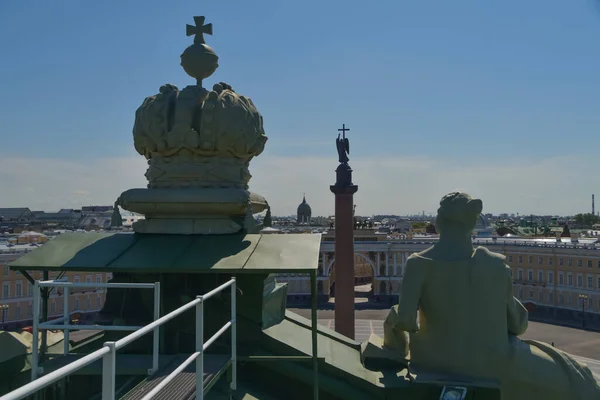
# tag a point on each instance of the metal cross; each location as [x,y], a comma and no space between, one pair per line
[343,130]
[199,30]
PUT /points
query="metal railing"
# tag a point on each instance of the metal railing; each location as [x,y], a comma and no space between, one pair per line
[67,327]
[108,352]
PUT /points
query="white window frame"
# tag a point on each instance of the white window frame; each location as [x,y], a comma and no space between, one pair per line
[5,290]
[570,281]
[561,278]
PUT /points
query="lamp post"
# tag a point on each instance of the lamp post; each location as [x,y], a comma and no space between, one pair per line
[583,298]
[4,308]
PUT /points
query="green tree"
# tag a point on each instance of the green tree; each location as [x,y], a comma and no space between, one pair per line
[587,220]
[419,225]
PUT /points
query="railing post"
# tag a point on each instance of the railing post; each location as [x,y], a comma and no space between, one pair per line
[155,344]
[108,372]
[35,330]
[199,348]
[67,319]
[233,336]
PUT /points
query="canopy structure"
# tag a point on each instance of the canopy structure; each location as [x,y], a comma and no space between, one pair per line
[164,253]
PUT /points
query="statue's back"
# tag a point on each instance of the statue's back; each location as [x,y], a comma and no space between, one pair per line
[462,311]
[467,314]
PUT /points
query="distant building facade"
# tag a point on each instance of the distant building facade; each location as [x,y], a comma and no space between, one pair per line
[561,279]
[16,295]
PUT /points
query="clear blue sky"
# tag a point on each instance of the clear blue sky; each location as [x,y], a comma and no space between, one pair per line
[488,80]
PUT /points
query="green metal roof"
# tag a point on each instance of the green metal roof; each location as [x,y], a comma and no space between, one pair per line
[132,252]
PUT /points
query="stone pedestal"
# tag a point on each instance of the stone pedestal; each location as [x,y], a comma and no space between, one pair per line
[191,211]
[344,250]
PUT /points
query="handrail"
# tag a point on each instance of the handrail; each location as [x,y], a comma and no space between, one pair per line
[146,329]
[116,285]
[66,327]
[201,346]
[46,380]
[108,352]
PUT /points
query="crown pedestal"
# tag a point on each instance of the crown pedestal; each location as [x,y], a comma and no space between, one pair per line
[198,144]
[191,211]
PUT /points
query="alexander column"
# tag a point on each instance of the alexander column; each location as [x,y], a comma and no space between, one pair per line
[344,191]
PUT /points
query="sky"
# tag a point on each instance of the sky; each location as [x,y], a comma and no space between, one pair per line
[496,98]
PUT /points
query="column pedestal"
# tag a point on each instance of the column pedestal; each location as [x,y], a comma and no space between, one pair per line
[344,250]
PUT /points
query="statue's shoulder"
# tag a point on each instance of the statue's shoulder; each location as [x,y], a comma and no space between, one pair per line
[483,254]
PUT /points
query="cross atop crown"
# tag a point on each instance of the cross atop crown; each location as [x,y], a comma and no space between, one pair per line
[199,30]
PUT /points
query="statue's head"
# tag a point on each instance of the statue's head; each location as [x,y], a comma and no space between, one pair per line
[458,213]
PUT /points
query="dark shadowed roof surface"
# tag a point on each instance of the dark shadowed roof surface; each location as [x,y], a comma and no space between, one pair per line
[132,252]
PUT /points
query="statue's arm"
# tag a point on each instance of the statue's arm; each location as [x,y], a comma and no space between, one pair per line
[410,296]
[517,313]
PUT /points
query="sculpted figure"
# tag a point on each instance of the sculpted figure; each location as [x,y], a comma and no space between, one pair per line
[469,319]
[343,148]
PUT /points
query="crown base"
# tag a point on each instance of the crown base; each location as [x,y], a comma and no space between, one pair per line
[191,211]
[185,170]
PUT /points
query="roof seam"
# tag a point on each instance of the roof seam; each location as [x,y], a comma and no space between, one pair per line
[133,242]
[253,250]
[184,252]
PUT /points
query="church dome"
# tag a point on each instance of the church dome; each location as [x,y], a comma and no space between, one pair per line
[304,212]
[304,207]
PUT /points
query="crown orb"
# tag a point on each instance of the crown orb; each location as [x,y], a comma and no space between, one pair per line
[199,61]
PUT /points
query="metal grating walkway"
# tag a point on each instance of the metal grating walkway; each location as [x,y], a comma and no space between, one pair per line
[183,387]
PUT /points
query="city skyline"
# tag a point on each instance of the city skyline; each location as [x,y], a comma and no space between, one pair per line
[99,182]
[486,98]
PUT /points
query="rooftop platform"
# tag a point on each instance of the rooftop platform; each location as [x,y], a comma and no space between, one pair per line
[163,253]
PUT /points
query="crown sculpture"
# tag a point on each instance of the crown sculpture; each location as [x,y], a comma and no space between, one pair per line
[198,144]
